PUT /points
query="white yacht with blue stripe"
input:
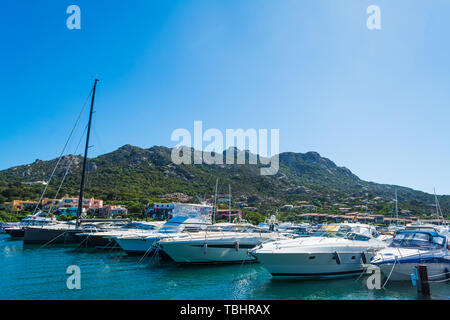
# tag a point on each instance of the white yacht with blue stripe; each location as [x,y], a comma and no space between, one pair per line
[408,249]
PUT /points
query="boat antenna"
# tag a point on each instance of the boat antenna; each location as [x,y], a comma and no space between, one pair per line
[83,173]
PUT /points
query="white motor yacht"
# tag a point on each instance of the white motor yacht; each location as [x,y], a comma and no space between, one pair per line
[105,239]
[146,242]
[336,250]
[410,248]
[17,230]
[229,245]
[186,218]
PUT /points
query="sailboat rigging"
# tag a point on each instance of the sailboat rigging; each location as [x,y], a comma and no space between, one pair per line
[83,173]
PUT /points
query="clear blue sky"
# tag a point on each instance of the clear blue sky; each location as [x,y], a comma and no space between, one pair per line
[377,102]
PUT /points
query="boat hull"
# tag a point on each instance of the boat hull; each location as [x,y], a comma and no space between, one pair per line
[49,236]
[15,232]
[137,246]
[311,265]
[403,272]
[219,251]
[98,242]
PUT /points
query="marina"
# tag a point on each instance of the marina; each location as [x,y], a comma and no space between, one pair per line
[31,272]
[188,257]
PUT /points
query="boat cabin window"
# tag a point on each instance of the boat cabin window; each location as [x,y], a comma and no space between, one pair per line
[170,229]
[438,241]
[140,226]
[417,240]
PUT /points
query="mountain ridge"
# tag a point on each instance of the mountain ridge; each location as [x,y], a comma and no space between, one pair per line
[131,170]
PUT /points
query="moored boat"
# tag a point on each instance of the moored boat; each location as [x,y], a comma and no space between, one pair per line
[17,230]
[336,250]
[217,247]
[410,248]
[105,239]
[186,218]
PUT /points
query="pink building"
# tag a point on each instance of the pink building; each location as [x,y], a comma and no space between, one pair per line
[224,213]
[87,203]
[110,210]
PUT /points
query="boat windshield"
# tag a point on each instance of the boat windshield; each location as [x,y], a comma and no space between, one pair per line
[139,226]
[170,229]
[341,234]
[417,240]
[330,234]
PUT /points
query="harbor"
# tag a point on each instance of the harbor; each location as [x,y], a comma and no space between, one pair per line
[192,257]
[31,272]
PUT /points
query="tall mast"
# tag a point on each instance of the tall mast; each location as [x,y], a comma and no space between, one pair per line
[80,199]
[396,205]
[229,203]
[436,204]
[215,197]
[438,209]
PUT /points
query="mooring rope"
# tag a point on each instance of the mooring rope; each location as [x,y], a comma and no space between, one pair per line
[85,240]
[54,239]
[390,273]
[147,252]
[439,281]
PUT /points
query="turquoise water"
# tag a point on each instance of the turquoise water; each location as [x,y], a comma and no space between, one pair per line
[32,272]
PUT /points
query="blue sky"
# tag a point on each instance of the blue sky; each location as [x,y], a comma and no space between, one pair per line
[375,101]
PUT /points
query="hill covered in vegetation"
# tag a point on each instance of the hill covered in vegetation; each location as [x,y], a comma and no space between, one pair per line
[135,176]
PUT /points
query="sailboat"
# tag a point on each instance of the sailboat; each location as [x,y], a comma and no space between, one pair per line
[63,232]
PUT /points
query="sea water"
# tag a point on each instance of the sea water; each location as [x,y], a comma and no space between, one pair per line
[33,272]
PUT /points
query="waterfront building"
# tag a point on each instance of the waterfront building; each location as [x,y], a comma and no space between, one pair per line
[160,210]
[87,203]
[17,206]
[225,213]
[48,203]
[69,211]
[111,210]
